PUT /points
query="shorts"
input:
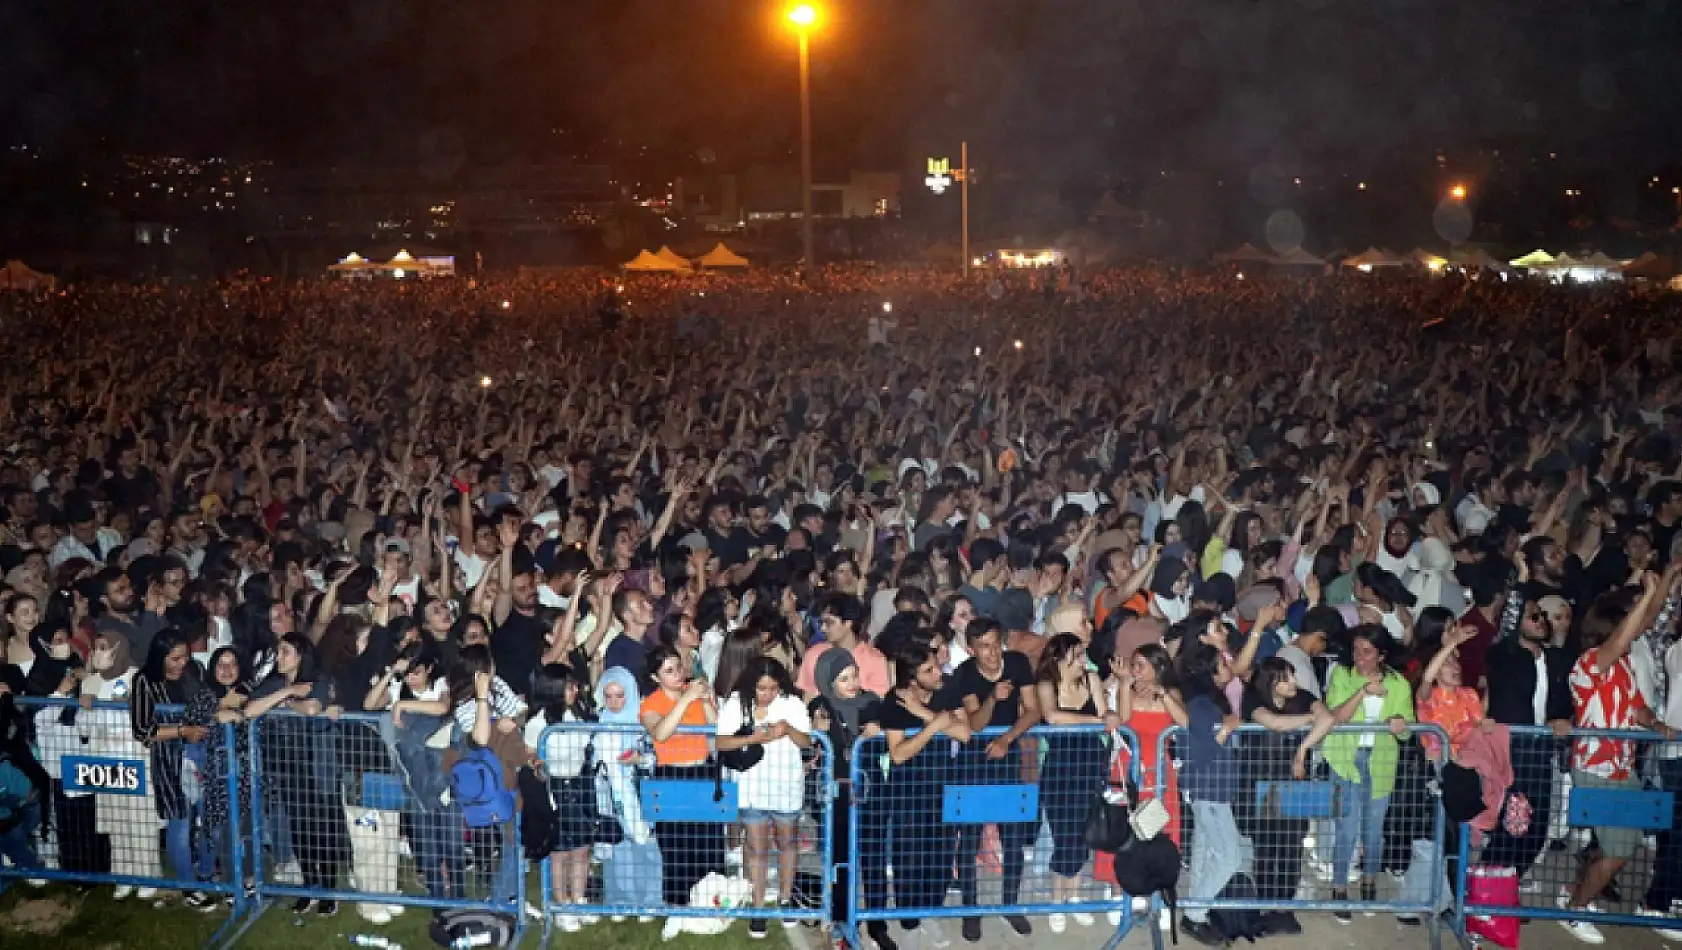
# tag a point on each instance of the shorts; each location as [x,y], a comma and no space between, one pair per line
[1619,843]
[759,816]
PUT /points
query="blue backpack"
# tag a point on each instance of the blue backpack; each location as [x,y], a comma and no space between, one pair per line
[476,784]
[15,793]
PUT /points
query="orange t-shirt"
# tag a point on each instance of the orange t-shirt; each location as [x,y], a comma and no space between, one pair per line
[680,749]
[1457,712]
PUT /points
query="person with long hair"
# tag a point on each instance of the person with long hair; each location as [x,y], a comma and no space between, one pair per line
[484,703]
[1364,764]
[851,714]
[771,794]
[166,680]
[689,851]
[922,854]
[567,756]
[1383,599]
[299,765]
[1070,694]
[1210,776]
[218,705]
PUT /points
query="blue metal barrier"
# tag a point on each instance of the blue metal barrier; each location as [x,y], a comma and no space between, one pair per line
[345,793]
[658,831]
[934,810]
[90,753]
[1643,805]
[1278,810]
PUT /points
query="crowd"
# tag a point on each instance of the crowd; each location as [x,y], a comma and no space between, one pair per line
[381,529]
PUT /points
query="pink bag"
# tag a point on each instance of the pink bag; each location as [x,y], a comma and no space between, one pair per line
[1493,887]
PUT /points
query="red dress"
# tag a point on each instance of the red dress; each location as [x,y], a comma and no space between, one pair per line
[1149,726]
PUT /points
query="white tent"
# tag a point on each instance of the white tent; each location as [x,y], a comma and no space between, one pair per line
[721,256]
[649,262]
[353,263]
[17,275]
[1298,257]
[1475,259]
[1372,257]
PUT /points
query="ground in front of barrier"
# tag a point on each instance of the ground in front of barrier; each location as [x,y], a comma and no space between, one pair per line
[93,921]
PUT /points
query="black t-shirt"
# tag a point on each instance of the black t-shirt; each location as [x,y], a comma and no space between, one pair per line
[629,653]
[731,548]
[1662,538]
[517,647]
[968,680]
[770,540]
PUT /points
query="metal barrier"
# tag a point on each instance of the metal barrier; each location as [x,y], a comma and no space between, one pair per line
[1628,810]
[1273,825]
[1017,810]
[113,799]
[661,834]
[355,808]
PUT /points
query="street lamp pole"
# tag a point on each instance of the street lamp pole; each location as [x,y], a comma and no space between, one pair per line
[963,179]
[806,151]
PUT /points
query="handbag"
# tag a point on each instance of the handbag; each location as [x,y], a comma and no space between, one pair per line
[1109,820]
[1493,887]
[740,760]
[577,802]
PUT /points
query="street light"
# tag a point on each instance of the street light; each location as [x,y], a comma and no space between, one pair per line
[804,16]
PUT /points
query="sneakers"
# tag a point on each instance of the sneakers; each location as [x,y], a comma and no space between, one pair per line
[122,892]
[1081,918]
[199,901]
[757,928]
[1369,894]
[674,926]
[326,908]
[1584,931]
[1019,924]
[567,923]
[375,914]
[788,907]
[146,893]
[302,905]
[1341,916]
[972,929]
[1665,933]
[1059,923]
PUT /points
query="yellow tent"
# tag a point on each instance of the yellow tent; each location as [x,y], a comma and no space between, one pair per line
[352,263]
[1537,258]
[721,256]
[646,262]
[17,275]
[670,256]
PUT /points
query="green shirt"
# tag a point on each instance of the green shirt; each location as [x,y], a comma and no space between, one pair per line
[1341,747]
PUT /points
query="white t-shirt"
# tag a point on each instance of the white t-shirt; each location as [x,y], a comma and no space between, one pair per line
[472,566]
[778,782]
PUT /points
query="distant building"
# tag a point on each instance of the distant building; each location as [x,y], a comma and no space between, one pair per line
[774,194]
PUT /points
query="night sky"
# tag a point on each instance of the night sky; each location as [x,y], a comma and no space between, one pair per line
[1073,87]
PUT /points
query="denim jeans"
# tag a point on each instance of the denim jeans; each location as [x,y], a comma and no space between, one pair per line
[17,843]
[510,868]
[1217,852]
[631,875]
[1360,820]
[437,845]
[183,861]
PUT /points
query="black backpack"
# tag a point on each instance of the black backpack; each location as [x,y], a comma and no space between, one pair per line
[483,928]
[540,826]
[1148,866]
[1241,924]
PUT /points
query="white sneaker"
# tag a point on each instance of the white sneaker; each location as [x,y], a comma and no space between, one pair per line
[374,914]
[395,910]
[533,911]
[645,919]
[122,892]
[37,883]
[588,920]
[146,893]
[1584,931]
[1058,923]
[617,918]
[1665,933]
[568,923]
[934,933]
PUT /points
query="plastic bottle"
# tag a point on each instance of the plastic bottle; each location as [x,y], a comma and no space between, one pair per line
[368,820]
[468,941]
[374,941]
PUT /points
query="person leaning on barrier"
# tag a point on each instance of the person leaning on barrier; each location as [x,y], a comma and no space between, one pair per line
[169,677]
[1365,763]
[219,704]
[1069,693]
[1210,776]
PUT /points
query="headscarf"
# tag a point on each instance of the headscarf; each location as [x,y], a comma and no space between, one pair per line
[48,671]
[1432,496]
[830,665]
[1433,584]
[122,657]
[621,677]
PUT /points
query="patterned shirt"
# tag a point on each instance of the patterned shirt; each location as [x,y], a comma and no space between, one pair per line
[1604,700]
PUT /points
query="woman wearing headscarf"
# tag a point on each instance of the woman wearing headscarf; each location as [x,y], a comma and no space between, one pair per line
[1171,589]
[167,679]
[1432,582]
[54,675]
[850,713]
[215,707]
[631,873]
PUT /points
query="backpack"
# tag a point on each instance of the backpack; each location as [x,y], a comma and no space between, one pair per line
[540,826]
[1243,923]
[476,785]
[480,928]
[1147,866]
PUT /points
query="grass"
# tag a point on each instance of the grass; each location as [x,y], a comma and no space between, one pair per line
[99,923]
